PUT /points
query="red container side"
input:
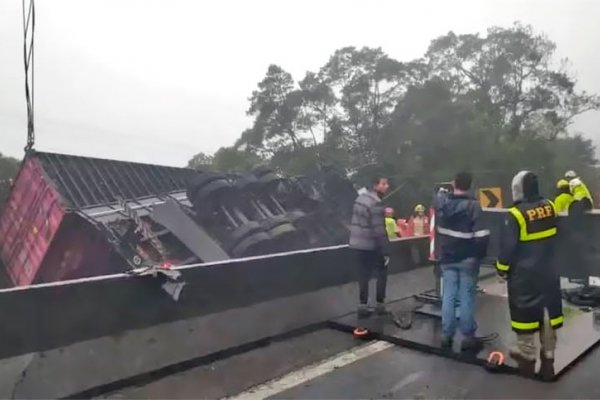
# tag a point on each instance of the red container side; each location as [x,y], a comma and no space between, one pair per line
[29,222]
[78,250]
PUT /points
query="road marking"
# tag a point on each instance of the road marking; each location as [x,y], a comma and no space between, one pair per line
[312,371]
[407,380]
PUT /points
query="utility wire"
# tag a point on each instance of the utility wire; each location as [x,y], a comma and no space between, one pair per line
[28,59]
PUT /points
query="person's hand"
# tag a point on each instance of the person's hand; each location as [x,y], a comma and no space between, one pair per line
[386,261]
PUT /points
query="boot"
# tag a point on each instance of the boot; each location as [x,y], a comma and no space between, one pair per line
[471,345]
[364,311]
[526,365]
[381,309]
[546,367]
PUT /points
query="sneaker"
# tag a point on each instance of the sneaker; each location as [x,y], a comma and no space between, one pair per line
[364,311]
[471,345]
[447,342]
[381,309]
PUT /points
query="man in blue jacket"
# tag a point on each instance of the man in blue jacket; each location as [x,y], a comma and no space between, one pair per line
[461,246]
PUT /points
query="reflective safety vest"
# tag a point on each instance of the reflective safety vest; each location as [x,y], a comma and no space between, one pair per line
[526,255]
[581,191]
[563,201]
[391,228]
[535,223]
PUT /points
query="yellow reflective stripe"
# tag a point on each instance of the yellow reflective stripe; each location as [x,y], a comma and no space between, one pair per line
[520,220]
[525,236]
[540,235]
[557,321]
[525,326]
[502,267]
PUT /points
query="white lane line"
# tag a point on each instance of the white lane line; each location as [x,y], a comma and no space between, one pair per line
[407,380]
[312,371]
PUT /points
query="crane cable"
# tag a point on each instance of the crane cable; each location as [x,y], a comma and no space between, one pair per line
[28,58]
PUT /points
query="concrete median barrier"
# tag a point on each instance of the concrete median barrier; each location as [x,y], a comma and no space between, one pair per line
[577,252]
[64,338]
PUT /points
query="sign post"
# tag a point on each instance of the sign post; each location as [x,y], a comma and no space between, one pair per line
[490,197]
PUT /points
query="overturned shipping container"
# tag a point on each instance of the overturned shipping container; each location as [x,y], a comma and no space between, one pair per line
[68,217]
[47,227]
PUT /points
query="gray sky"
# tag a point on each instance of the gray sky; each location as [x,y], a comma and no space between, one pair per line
[158,81]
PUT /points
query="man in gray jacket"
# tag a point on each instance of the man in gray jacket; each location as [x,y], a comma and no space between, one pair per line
[369,241]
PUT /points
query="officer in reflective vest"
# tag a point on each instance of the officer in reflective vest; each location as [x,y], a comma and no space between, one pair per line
[579,189]
[390,224]
[526,252]
[563,198]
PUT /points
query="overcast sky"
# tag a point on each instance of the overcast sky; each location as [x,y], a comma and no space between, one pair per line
[158,81]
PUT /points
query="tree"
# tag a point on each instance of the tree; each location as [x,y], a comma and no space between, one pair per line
[8,171]
[432,134]
[509,74]
[346,103]
[318,107]
[201,161]
[9,167]
[368,84]
[492,104]
[574,153]
[226,159]
[275,106]
[229,159]
[309,160]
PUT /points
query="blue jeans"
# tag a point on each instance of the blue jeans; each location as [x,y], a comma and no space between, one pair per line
[459,282]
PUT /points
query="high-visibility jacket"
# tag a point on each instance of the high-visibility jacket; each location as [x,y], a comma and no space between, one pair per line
[581,191]
[391,228]
[526,253]
[563,201]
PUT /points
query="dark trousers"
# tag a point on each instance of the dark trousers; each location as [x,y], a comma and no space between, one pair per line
[370,262]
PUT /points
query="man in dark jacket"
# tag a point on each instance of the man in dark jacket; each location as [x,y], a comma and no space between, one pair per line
[525,260]
[461,246]
[369,241]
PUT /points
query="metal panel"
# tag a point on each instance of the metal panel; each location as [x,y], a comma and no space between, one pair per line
[578,336]
[29,222]
[86,182]
[173,218]
[78,250]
